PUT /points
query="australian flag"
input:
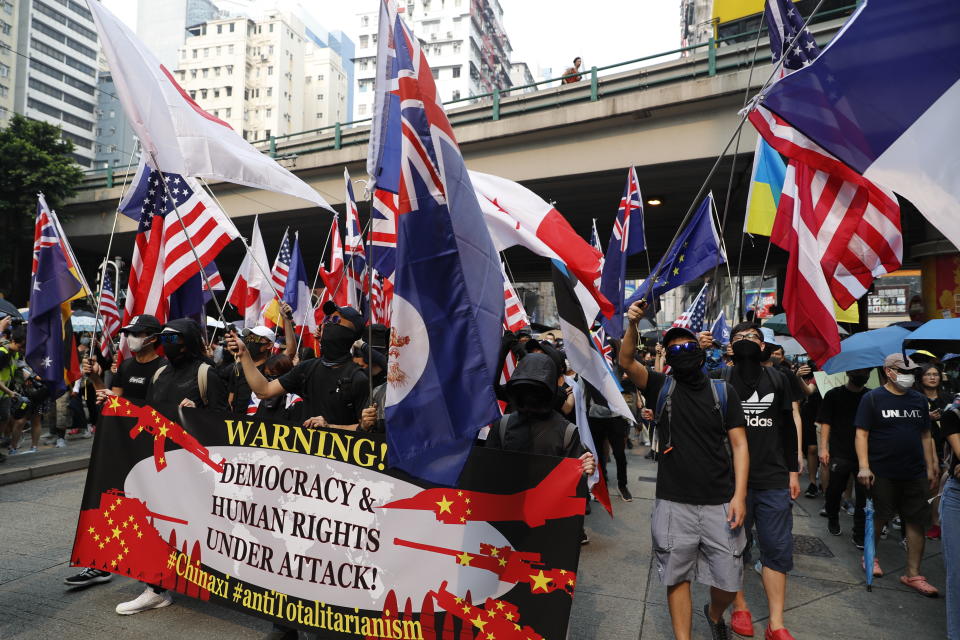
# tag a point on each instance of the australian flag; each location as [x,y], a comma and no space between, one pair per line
[448,288]
[626,239]
[695,251]
[54,285]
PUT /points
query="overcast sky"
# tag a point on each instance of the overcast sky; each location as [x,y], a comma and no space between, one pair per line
[543,34]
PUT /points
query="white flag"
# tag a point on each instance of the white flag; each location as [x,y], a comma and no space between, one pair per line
[177,135]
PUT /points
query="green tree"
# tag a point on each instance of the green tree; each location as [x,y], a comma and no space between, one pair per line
[33,159]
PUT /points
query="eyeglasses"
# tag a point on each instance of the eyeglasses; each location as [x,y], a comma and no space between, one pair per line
[683,346]
[746,336]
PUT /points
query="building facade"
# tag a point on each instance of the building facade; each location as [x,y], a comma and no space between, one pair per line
[8,59]
[264,77]
[163,25]
[520,76]
[464,40]
[58,82]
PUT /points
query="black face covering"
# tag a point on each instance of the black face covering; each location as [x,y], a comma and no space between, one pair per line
[255,348]
[687,366]
[859,379]
[175,352]
[532,402]
[336,342]
[747,351]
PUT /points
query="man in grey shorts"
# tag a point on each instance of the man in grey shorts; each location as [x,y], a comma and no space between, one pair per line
[698,516]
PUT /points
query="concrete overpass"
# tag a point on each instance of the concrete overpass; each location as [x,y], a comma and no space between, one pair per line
[570,144]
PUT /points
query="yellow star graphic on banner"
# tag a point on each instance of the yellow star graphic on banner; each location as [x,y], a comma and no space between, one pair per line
[444,504]
[540,581]
[115,403]
[464,559]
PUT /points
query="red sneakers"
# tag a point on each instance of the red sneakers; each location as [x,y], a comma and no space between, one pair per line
[920,585]
[742,623]
[779,634]
[933,533]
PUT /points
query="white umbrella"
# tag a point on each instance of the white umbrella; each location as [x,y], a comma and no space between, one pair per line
[790,346]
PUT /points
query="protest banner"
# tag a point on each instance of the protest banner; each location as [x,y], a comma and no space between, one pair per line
[309,528]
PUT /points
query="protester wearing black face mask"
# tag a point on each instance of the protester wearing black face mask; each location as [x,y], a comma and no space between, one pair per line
[334,389]
[259,343]
[773,432]
[698,515]
[838,451]
[188,380]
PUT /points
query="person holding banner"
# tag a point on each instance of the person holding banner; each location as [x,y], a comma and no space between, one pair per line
[132,380]
[259,342]
[333,388]
[700,504]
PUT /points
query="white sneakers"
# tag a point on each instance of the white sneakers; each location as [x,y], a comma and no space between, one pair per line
[147,600]
[60,443]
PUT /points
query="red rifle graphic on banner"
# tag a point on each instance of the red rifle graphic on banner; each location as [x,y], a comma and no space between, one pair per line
[509,565]
[161,428]
[554,498]
[498,620]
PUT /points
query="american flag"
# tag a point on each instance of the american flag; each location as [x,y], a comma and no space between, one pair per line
[515,317]
[692,318]
[841,230]
[509,364]
[381,299]
[213,277]
[595,237]
[162,256]
[784,22]
[281,264]
[110,314]
[353,252]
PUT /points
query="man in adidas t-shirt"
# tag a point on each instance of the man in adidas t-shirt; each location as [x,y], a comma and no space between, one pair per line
[697,517]
[773,484]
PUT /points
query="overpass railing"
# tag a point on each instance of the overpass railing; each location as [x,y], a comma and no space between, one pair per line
[705,59]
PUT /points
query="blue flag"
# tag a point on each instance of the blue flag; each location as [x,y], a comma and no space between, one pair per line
[54,283]
[448,287]
[296,292]
[720,329]
[627,238]
[696,251]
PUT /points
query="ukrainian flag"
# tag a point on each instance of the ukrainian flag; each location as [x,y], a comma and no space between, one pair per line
[766,183]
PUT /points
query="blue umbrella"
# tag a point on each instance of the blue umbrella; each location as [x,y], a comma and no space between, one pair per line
[867,349]
[869,542]
[936,336]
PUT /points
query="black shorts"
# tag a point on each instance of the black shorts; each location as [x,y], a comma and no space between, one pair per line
[906,498]
[809,435]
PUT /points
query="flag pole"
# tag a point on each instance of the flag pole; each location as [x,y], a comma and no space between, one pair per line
[106,258]
[743,119]
[316,276]
[193,249]
[344,275]
[243,241]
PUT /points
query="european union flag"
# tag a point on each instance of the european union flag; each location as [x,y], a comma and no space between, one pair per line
[696,251]
[54,285]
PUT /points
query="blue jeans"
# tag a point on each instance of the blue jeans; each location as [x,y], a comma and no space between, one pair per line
[950,535]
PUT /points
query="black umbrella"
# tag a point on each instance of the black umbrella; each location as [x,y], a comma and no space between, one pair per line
[7,308]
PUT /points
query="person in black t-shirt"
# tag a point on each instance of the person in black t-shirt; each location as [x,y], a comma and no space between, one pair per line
[773,433]
[698,515]
[334,389]
[895,453]
[838,449]
[188,380]
[259,342]
[950,516]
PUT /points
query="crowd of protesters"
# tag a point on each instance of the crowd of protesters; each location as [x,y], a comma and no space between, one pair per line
[732,429]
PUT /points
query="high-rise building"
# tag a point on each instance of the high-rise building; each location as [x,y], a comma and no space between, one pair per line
[115,140]
[58,82]
[520,76]
[696,22]
[264,77]
[465,42]
[8,58]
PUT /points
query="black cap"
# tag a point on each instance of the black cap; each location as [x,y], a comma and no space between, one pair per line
[678,332]
[381,337]
[533,345]
[144,323]
[347,313]
[375,355]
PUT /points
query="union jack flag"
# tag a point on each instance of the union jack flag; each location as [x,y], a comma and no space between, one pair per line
[162,256]
[383,231]
[110,314]
[692,318]
[600,341]
[281,264]
[628,237]
[353,252]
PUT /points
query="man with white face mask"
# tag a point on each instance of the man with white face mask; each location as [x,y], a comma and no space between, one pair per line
[896,461]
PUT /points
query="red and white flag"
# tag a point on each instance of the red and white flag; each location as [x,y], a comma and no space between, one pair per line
[515,317]
[356,259]
[517,216]
[827,225]
[176,134]
[251,291]
[109,313]
[334,279]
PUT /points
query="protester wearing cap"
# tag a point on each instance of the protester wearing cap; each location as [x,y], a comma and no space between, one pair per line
[897,463]
[333,387]
[375,362]
[700,504]
[259,343]
[133,376]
